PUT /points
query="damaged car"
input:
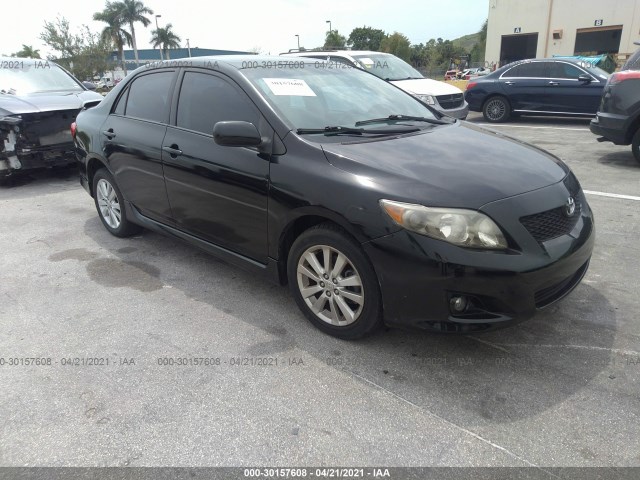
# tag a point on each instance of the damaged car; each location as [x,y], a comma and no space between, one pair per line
[38,102]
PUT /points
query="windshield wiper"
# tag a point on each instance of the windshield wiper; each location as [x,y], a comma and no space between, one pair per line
[395,118]
[400,79]
[338,130]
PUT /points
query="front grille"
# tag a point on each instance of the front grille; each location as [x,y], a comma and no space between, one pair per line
[448,102]
[549,295]
[551,224]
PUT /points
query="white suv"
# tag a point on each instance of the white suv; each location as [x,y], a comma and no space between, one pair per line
[442,96]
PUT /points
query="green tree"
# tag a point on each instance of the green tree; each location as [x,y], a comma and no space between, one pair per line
[85,53]
[478,50]
[27,52]
[114,31]
[132,12]
[398,45]
[334,40]
[366,38]
[166,39]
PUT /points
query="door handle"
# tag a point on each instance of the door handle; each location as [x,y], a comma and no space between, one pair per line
[173,150]
[553,84]
[109,133]
[508,83]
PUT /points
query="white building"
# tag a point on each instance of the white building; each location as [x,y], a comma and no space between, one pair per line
[520,29]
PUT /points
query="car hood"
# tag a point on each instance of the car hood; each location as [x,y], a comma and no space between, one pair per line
[45,102]
[458,165]
[426,86]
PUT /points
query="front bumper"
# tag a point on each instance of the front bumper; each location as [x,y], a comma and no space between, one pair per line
[612,127]
[460,112]
[418,276]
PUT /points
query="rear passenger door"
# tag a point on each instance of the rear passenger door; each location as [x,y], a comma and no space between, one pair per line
[218,194]
[132,139]
[525,86]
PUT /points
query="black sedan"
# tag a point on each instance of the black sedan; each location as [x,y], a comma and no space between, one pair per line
[340,184]
[550,86]
[38,102]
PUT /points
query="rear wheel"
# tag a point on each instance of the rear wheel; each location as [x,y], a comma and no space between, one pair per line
[333,283]
[496,110]
[110,205]
[635,145]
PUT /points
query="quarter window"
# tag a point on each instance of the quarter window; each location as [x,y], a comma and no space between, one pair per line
[206,99]
[148,97]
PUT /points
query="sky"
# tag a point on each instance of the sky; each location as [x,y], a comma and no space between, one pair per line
[267,25]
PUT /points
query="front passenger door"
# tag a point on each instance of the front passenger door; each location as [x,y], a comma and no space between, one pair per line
[218,194]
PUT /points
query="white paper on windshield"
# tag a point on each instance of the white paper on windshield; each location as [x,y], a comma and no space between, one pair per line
[289,86]
[367,62]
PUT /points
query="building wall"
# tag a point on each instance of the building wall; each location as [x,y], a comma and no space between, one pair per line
[545,16]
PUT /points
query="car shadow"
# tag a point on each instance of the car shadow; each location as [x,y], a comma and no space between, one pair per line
[624,160]
[491,378]
[40,178]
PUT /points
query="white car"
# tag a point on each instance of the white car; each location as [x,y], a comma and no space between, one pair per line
[442,96]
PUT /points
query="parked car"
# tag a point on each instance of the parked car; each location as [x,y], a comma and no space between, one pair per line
[38,102]
[445,98]
[537,87]
[618,118]
[451,74]
[473,72]
[360,197]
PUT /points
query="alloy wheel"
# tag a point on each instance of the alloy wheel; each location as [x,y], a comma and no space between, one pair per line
[330,285]
[496,109]
[108,203]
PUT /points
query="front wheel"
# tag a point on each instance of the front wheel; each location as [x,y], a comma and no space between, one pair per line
[110,205]
[496,110]
[635,145]
[333,283]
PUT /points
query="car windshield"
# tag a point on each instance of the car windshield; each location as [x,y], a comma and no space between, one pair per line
[388,67]
[314,97]
[22,77]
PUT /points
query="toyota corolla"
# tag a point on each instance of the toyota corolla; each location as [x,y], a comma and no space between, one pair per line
[357,195]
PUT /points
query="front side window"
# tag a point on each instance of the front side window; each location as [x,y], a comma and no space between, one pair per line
[206,99]
[149,96]
[565,70]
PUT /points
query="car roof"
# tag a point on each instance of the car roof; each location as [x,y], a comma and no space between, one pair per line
[339,52]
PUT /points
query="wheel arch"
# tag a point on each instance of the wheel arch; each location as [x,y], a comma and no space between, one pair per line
[303,220]
[93,165]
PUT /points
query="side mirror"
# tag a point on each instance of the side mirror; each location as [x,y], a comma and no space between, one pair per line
[236,134]
[585,78]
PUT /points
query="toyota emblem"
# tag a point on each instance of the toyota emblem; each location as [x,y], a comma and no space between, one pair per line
[570,207]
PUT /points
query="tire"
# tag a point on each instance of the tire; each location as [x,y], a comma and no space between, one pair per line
[635,145]
[496,110]
[110,205]
[349,305]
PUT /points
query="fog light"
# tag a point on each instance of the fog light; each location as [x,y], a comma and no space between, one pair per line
[458,304]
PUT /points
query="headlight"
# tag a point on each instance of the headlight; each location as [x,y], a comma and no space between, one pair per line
[428,99]
[466,228]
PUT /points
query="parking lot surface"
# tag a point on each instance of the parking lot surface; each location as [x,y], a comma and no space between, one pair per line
[114,320]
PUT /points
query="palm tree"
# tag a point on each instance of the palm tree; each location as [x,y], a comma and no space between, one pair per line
[131,12]
[27,52]
[165,39]
[114,32]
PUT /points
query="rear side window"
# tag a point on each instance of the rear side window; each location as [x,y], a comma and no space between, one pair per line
[528,70]
[633,63]
[148,97]
[206,99]
[565,70]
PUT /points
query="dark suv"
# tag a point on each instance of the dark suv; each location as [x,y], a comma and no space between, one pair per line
[618,118]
